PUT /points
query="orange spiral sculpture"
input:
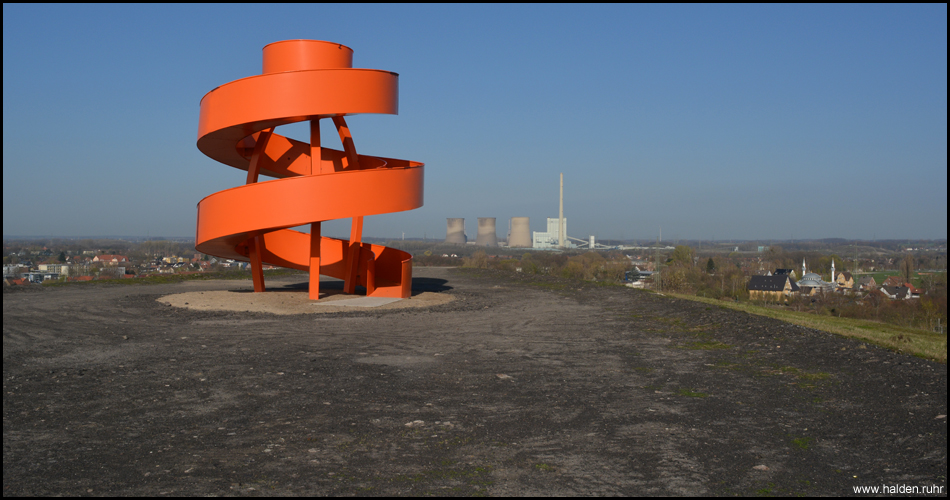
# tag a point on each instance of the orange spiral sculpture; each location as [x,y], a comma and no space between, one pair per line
[305,80]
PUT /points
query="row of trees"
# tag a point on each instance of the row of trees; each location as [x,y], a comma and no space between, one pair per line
[721,276]
[681,270]
[929,312]
[777,258]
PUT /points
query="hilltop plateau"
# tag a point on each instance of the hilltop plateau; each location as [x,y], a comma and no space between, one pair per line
[520,385]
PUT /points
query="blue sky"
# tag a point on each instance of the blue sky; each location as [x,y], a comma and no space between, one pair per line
[725,122]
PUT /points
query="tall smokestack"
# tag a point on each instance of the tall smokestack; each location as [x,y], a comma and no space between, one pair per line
[560,217]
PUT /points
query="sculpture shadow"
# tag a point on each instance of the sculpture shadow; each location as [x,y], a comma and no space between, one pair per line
[333,287]
[420,285]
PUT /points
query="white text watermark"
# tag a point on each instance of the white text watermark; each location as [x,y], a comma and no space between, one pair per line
[899,489]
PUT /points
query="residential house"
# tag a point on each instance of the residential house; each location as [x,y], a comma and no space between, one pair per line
[62,269]
[789,272]
[914,291]
[896,292]
[110,259]
[14,270]
[774,287]
[845,280]
[893,281]
[898,282]
[866,283]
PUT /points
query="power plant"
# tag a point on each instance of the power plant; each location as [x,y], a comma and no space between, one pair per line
[455,231]
[556,235]
[519,233]
[486,232]
[551,238]
[562,224]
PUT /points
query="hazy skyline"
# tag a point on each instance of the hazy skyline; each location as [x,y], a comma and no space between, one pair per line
[712,121]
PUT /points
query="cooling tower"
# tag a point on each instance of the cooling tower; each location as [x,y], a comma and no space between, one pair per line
[486,232]
[455,231]
[520,233]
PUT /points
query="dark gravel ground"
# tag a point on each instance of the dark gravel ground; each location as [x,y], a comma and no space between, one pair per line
[520,386]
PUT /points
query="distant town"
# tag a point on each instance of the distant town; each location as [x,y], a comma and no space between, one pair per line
[834,276]
[60,260]
[898,282]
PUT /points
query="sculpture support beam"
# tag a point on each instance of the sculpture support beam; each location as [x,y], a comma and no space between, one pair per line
[353,160]
[257,265]
[316,153]
[256,247]
[314,261]
[353,255]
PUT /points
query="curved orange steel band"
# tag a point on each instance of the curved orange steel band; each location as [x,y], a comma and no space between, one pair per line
[305,80]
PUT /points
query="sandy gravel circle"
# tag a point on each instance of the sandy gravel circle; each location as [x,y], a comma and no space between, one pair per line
[282,301]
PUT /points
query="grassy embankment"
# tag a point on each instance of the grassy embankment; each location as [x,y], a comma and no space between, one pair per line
[920,343]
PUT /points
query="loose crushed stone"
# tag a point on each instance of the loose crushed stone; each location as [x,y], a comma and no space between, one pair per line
[519,385]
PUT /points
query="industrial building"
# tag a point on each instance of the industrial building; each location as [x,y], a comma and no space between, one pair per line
[487,236]
[519,233]
[455,231]
[549,238]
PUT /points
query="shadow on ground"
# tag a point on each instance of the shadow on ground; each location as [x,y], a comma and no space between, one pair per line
[335,287]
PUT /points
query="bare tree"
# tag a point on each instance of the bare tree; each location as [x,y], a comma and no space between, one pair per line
[907,267]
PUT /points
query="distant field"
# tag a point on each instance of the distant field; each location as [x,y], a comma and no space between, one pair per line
[921,343]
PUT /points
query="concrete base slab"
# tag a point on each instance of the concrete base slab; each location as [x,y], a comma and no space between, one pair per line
[358,302]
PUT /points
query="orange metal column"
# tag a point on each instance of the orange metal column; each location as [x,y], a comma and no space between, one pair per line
[353,256]
[257,246]
[315,261]
[406,290]
[371,274]
[257,265]
[356,229]
[316,156]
